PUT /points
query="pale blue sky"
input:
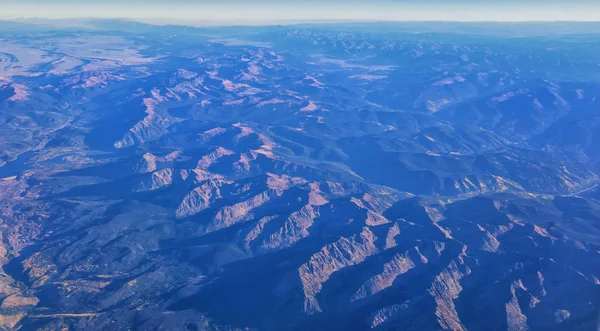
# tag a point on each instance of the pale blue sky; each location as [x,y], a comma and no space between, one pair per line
[272,11]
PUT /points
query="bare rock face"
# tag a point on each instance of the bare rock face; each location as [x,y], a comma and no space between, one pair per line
[315,196]
[159,179]
[88,79]
[154,125]
[515,319]
[183,74]
[332,258]
[151,128]
[18,301]
[8,322]
[200,198]
[400,264]
[206,161]
[17,92]
[445,289]
[295,227]
[390,240]
[146,164]
[239,212]
[382,315]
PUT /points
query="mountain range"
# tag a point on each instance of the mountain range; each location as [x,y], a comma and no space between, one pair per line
[309,177]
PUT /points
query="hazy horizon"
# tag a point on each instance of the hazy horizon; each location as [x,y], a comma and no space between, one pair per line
[269,11]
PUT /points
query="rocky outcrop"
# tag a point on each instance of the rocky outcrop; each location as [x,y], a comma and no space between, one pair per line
[183,74]
[146,164]
[390,240]
[315,197]
[294,229]
[150,162]
[18,301]
[157,180]
[87,79]
[386,314]
[490,242]
[515,319]
[331,259]
[200,198]
[9,321]
[17,92]
[214,132]
[206,161]
[152,127]
[399,265]
[445,289]
[239,212]
[372,219]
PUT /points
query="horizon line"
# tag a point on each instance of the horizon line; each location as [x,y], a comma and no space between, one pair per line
[161,21]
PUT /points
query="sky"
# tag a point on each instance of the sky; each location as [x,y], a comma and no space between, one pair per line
[199,12]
